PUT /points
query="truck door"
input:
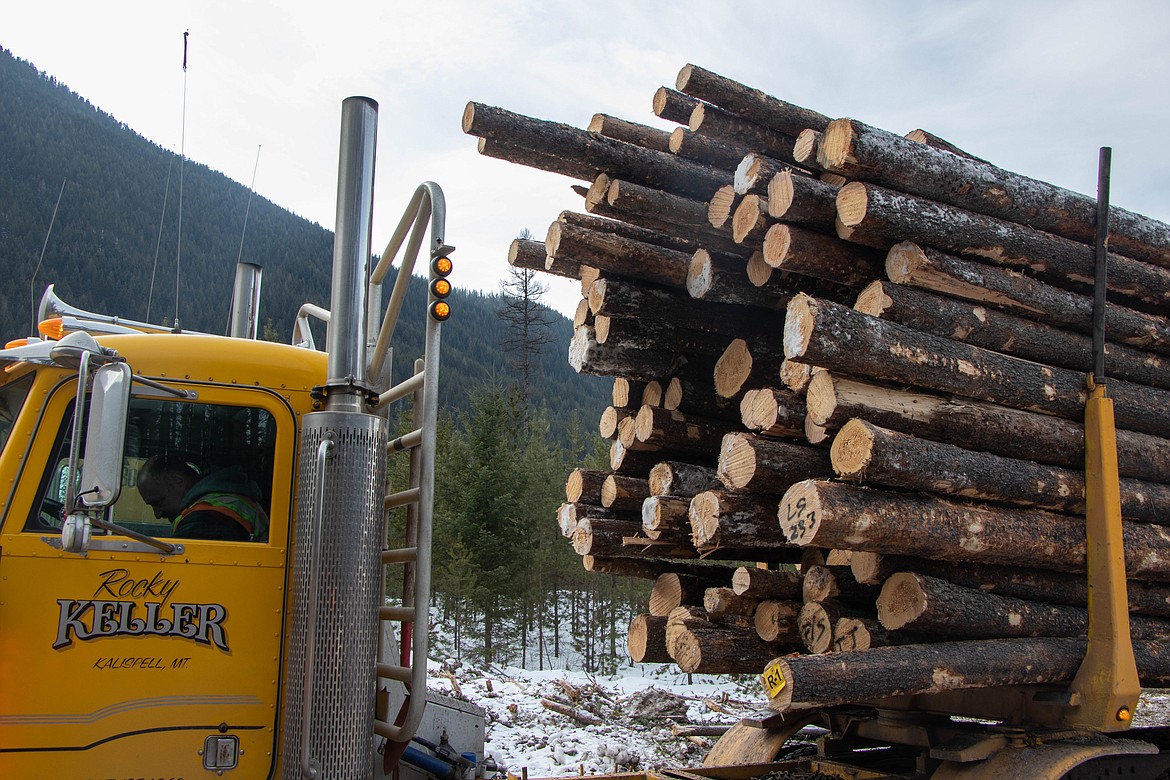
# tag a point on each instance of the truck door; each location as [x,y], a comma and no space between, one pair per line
[123,662]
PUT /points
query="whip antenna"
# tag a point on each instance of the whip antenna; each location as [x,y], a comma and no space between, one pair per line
[182,157]
[158,244]
[248,208]
[32,293]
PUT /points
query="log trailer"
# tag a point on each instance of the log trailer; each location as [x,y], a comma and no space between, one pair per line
[126,652]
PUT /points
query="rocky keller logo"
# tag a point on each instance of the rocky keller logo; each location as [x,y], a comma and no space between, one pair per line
[124,605]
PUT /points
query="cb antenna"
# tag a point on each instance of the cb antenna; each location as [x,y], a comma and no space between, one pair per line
[158,244]
[182,158]
[248,208]
[32,289]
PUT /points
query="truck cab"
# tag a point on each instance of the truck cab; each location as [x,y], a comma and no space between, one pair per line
[125,653]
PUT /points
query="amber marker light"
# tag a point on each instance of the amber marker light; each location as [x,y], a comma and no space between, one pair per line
[440,288]
[442,266]
[1124,715]
[53,328]
[440,310]
[16,343]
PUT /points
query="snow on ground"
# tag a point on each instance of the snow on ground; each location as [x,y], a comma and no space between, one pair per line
[623,722]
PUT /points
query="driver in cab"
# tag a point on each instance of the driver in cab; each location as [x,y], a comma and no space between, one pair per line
[222,504]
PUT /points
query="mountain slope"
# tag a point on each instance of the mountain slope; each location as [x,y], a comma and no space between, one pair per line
[102,249]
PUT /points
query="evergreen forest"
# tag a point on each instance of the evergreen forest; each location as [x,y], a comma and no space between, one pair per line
[515,418]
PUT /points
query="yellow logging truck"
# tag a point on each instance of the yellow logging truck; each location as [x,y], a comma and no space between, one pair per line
[130,649]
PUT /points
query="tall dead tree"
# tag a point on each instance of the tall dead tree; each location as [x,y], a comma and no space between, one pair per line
[527,318]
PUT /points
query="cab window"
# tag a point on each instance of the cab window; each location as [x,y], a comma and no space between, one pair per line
[190,470]
[12,397]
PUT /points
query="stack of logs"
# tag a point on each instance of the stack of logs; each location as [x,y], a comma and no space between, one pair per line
[864,354]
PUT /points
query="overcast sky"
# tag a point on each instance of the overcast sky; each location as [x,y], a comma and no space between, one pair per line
[1033,86]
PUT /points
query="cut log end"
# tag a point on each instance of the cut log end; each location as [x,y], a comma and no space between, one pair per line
[468,116]
[777,242]
[705,517]
[798,326]
[800,513]
[737,460]
[821,398]
[836,145]
[721,205]
[758,270]
[733,368]
[700,274]
[903,260]
[780,194]
[873,299]
[852,449]
[804,151]
[852,203]
[902,600]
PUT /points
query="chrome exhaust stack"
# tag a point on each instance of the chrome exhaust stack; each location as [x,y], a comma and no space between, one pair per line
[244,319]
[336,590]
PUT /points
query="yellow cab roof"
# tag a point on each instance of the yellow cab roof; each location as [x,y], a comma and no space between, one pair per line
[203,358]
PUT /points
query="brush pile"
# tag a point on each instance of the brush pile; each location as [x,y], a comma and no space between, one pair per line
[862,353]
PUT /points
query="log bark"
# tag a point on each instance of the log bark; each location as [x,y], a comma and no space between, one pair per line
[673,106]
[620,255]
[743,520]
[756,464]
[636,332]
[767,584]
[720,601]
[676,432]
[754,173]
[774,412]
[717,123]
[631,132]
[862,633]
[864,452]
[624,494]
[622,160]
[523,253]
[666,513]
[721,652]
[930,139]
[570,515]
[664,235]
[586,356]
[721,278]
[926,604]
[929,269]
[833,400]
[673,590]
[693,396]
[686,218]
[612,297]
[521,154]
[1032,584]
[806,252]
[674,478]
[584,486]
[803,200]
[749,103]
[646,568]
[822,583]
[855,150]
[646,640]
[625,393]
[603,538]
[704,149]
[840,338]
[988,328]
[778,621]
[831,514]
[879,217]
[880,673]
[623,460]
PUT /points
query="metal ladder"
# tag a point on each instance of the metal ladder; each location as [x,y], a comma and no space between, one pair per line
[419,444]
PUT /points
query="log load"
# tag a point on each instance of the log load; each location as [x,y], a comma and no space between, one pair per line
[830,514]
[624,494]
[672,590]
[584,486]
[527,254]
[858,151]
[972,352]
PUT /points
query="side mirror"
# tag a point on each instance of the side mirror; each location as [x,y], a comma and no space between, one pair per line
[105,436]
